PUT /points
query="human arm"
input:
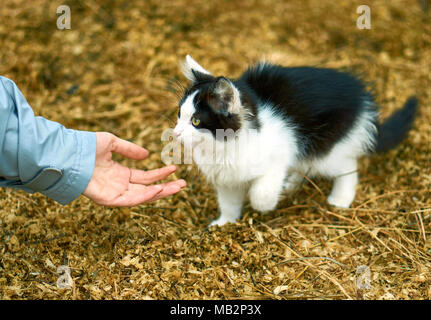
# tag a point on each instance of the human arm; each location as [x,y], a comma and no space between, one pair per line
[39,155]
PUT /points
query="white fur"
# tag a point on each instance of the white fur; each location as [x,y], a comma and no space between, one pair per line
[340,163]
[186,113]
[190,64]
[268,162]
[260,165]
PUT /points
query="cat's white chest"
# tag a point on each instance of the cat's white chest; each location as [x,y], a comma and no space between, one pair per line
[248,157]
[230,170]
[232,174]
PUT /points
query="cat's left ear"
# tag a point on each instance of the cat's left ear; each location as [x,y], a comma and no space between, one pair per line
[227,100]
[193,70]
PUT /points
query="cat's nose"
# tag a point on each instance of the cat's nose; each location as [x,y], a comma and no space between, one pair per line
[177,133]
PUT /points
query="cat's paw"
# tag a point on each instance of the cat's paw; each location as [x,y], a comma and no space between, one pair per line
[221,221]
[290,187]
[292,183]
[263,197]
[340,201]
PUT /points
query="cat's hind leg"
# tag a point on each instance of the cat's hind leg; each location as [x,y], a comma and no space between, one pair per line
[230,200]
[344,187]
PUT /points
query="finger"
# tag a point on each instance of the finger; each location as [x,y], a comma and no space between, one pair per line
[169,189]
[137,194]
[151,176]
[129,149]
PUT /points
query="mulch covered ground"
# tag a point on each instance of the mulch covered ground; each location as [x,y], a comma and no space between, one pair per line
[117,70]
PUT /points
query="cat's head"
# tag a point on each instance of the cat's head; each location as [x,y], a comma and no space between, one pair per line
[210,103]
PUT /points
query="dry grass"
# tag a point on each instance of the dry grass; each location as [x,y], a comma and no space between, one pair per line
[116,70]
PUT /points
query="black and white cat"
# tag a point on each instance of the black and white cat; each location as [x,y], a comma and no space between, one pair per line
[295,120]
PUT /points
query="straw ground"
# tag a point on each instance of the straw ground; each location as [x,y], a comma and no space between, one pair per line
[117,70]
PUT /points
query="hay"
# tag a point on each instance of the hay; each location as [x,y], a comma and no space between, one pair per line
[116,70]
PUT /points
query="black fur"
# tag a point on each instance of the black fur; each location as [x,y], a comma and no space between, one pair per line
[394,130]
[322,104]
[206,112]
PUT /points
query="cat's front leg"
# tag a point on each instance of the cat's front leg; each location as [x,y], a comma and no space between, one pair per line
[265,191]
[230,200]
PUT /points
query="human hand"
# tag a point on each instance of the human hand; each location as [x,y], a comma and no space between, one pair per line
[113,184]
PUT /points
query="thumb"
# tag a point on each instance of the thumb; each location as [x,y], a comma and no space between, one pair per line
[129,149]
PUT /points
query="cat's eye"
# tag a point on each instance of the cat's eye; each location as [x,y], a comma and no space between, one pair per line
[195,121]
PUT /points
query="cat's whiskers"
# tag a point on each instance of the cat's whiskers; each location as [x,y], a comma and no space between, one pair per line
[310,120]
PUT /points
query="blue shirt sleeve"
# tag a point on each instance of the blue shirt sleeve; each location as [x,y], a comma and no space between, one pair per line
[38,155]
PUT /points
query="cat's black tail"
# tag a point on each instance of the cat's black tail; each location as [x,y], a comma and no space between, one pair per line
[394,129]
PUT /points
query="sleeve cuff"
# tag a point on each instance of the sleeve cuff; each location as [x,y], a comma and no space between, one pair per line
[75,180]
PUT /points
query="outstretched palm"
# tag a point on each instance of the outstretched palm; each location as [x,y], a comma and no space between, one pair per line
[113,184]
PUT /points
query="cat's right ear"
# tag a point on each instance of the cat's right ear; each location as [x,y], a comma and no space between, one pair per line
[193,70]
